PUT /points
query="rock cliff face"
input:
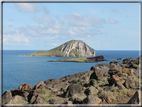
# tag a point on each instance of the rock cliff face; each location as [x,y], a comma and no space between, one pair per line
[73,48]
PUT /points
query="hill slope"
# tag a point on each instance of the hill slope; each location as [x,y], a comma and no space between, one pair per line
[73,48]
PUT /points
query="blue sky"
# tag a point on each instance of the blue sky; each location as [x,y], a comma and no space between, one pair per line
[43,26]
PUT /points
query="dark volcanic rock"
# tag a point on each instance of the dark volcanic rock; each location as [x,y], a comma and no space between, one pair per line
[97,74]
[103,67]
[73,89]
[96,59]
[53,101]
[136,99]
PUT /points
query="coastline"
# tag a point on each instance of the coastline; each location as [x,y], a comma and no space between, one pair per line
[84,80]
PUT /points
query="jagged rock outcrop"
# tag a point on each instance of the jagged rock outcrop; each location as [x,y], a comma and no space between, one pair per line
[73,48]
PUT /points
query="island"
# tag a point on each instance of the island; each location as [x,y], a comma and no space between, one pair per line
[82,59]
[72,48]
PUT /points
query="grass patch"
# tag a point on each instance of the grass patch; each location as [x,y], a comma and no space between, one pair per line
[80,59]
[22,102]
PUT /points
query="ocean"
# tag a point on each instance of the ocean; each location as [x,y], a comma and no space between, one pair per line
[19,68]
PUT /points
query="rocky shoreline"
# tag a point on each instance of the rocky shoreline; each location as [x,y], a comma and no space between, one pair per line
[113,83]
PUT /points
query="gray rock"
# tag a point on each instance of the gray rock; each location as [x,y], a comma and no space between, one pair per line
[73,89]
[15,99]
[97,74]
[6,96]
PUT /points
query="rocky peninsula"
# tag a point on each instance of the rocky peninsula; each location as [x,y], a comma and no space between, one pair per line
[113,83]
[72,48]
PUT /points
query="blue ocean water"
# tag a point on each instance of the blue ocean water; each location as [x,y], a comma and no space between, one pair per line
[19,69]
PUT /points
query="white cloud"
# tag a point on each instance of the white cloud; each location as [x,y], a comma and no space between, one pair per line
[76,19]
[88,36]
[15,39]
[50,31]
[112,21]
[28,7]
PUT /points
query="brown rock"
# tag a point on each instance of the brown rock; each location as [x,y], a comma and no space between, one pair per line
[16,92]
[68,102]
[25,87]
[94,100]
[93,82]
[97,74]
[136,98]
[51,81]
[6,96]
[108,100]
[15,99]
[38,84]
[118,81]
[77,101]
[128,71]
[114,69]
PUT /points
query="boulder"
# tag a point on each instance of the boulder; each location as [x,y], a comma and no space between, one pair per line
[108,100]
[25,95]
[114,69]
[131,61]
[73,89]
[118,81]
[38,84]
[53,101]
[15,99]
[97,74]
[77,101]
[91,91]
[57,87]
[39,100]
[16,92]
[51,81]
[103,67]
[130,82]
[93,100]
[93,82]
[25,87]
[6,96]
[128,71]
[136,99]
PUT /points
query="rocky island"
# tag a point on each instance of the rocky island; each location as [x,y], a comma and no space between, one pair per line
[82,59]
[72,48]
[113,83]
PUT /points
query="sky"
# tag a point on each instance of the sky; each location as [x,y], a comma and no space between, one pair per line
[43,26]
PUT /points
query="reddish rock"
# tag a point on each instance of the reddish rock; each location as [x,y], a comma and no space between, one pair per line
[128,71]
[108,100]
[25,87]
[38,84]
[118,81]
[16,92]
